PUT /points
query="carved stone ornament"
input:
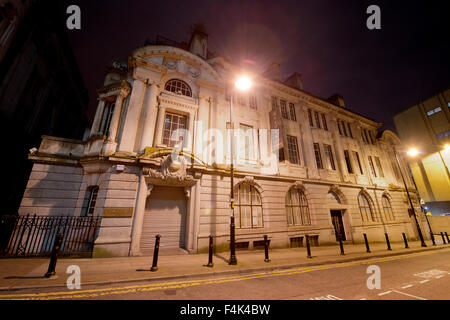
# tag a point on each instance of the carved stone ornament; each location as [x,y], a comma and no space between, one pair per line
[170,64]
[194,73]
[172,170]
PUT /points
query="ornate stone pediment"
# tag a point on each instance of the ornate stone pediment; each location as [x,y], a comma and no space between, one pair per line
[172,171]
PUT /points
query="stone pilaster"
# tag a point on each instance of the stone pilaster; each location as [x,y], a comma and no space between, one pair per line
[98,118]
[159,126]
[149,117]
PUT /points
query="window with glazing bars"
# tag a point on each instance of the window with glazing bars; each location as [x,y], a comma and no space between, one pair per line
[329,156]
[348,162]
[92,193]
[311,122]
[380,168]
[179,87]
[318,156]
[108,112]
[316,116]
[324,120]
[284,112]
[292,112]
[297,210]
[293,150]
[372,167]
[359,163]
[248,211]
[252,102]
[172,123]
[365,208]
[387,209]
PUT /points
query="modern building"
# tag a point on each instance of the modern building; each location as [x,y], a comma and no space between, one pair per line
[426,127]
[41,89]
[158,160]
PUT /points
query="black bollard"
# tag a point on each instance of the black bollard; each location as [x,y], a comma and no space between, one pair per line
[210,254]
[443,239]
[448,240]
[367,243]
[155,254]
[387,241]
[308,247]
[266,249]
[55,253]
[341,245]
[432,238]
[405,240]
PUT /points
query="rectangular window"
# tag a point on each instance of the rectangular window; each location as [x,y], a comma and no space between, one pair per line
[311,122]
[316,116]
[324,120]
[359,163]
[348,161]
[380,168]
[242,99]
[365,137]
[344,130]
[318,156]
[293,150]
[108,112]
[372,137]
[252,102]
[339,127]
[92,199]
[172,123]
[349,130]
[292,112]
[395,167]
[329,156]
[284,113]
[372,167]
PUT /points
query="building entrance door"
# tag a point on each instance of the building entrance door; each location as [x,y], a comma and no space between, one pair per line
[336,218]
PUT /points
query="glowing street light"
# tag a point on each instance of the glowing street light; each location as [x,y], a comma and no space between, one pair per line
[242,84]
[413,152]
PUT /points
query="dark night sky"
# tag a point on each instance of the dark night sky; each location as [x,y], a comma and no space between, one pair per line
[379,72]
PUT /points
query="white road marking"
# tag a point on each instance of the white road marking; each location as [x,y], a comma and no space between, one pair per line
[363,299]
[424,281]
[408,286]
[410,295]
[384,293]
[439,277]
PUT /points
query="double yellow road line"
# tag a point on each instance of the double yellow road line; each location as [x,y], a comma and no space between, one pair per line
[95,293]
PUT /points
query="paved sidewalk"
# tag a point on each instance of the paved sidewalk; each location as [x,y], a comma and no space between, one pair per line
[16,274]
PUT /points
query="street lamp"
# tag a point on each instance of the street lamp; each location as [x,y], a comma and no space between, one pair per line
[242,84]
[412,151]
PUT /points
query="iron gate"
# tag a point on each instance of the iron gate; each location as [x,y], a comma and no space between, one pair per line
[33,236]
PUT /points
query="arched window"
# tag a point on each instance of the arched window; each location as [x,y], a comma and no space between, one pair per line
[365,208]
[248,209]
[297,209]
[387,208]
[179,87]
[91,198]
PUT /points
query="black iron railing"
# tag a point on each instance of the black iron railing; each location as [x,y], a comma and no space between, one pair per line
[33,235]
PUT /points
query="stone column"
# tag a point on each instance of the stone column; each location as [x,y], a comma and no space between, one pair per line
[131,122]
[98,118]
[149,117]
[143,193]
[159,126]
[115,119]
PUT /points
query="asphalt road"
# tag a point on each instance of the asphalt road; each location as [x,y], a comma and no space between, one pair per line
[418,276]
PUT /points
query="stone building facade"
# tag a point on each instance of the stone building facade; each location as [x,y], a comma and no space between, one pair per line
[303,165]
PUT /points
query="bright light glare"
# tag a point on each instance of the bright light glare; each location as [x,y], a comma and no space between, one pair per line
[243,83]
[413,152]
[447,147]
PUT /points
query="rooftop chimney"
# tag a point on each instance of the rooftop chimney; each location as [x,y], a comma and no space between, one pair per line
[273,72]
[199,40]
[295,81]
[337,99]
